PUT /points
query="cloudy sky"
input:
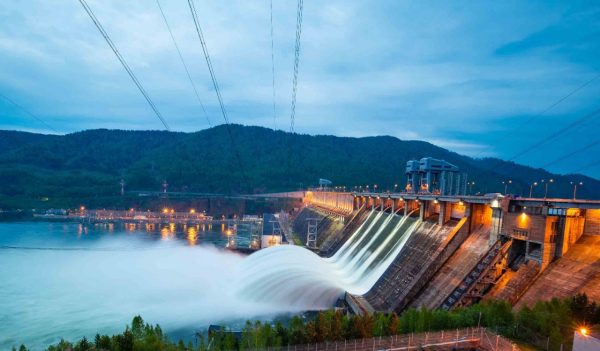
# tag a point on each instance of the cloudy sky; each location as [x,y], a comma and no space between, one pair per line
[469,76]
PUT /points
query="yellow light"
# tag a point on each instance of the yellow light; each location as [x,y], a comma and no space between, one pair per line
[82,208]
[461,203]
[523,218]
[583,331]
[165,210]
[172,210]
[192,236]
[192,211]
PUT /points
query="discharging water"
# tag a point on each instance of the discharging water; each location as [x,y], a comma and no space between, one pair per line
[290,274]
[67,280]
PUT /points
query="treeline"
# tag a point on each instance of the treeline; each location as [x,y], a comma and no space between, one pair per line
[63,171]
[548,324]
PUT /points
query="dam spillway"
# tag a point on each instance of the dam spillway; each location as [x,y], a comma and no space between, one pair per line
[300,277]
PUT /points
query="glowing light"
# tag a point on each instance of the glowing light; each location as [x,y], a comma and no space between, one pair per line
[192,211]
[523,219]
[165,233]
[82,208]
[461,203]
[583,331]
[192,236]
[165,210]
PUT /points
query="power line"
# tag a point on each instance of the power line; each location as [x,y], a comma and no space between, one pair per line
[589,165]
[208,61]
[556,134]
[551,106]
[296,63]
[216,86]
[273,66]
[552,136]
[559,101]
[123,62]
[28,113]
[572,153]
[187,71]
[294,87]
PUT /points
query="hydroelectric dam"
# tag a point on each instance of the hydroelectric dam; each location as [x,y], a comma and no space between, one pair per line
[430,246]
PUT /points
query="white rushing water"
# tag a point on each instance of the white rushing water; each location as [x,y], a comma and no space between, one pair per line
[296,276]
[71,293]
[75,292]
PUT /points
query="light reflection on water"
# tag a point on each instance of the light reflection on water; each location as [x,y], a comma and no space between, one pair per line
[192,236]
[196,234]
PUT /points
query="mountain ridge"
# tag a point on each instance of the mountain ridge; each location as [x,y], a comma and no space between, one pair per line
[38,166]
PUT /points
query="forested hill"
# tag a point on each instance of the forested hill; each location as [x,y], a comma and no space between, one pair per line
[90,164]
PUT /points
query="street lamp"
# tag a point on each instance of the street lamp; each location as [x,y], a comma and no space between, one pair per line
[575,185]
[547,183]
[531,188]
[506,182]
[395,187]
[375,187]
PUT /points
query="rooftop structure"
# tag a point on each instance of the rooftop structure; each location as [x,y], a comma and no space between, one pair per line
[433,176]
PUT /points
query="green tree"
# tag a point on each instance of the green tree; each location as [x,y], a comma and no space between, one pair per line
[248,336]
[281,335]
[83,345]
[297,331]
[125,341]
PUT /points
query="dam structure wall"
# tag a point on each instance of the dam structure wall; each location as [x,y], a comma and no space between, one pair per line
[447,251]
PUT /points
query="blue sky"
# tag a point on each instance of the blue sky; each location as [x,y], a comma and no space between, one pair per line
[462,75]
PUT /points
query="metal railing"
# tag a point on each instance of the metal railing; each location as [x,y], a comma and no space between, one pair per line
[466,338]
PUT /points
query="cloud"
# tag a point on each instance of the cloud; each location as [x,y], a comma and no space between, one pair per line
[456,74]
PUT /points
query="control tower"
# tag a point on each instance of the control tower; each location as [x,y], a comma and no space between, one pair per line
[433,176]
